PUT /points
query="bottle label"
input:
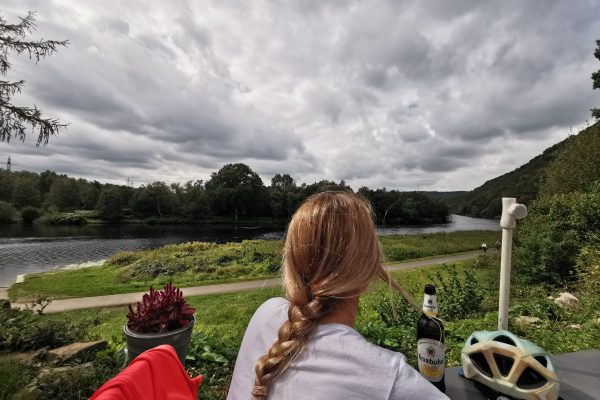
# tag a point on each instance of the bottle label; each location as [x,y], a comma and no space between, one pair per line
[430,355]
[430,307]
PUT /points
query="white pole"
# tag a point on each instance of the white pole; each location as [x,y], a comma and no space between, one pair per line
[511,211]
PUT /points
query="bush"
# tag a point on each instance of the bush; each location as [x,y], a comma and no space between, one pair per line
[77,383]
[587,267]
[162,265]
[250,257]
[458,299]
[542,308]
[66,219]
[29,214]
[7,212]
[549,240]
[22,331]
[396,312]
[209,357]
[122,258]
[393,338]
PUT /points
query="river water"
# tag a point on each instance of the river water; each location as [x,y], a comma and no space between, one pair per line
[40,248]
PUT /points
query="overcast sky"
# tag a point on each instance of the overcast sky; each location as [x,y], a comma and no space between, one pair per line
[429,95]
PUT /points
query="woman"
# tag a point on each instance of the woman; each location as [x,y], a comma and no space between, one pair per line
[304,346]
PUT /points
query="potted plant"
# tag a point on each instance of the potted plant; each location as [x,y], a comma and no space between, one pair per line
[162,317]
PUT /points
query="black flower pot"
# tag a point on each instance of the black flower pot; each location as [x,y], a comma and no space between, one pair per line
[137,343]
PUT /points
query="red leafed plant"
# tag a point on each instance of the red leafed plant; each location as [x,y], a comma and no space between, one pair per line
[160,311]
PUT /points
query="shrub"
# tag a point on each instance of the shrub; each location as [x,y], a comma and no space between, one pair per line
[541,308]
[396,312]
[78,382]
[22,330]
[7,212]
[66,219]
[160,311]
[29,214]
[161,265]
[550,238]
[587,267]
[393,338]
[122,258]
[209,357]
[252,257]
[458,298]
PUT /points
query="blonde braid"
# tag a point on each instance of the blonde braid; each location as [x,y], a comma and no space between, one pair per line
[331,252]
[292,338]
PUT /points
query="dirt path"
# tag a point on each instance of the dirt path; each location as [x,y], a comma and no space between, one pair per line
[128,298]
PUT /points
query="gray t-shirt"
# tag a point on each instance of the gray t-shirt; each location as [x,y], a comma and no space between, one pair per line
[337,363]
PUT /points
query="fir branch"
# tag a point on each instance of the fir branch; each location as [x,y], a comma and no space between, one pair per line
[15,121]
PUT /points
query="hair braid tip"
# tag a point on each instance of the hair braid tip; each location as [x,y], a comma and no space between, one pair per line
[260,392]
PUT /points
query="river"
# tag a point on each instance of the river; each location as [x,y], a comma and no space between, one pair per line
[40,248]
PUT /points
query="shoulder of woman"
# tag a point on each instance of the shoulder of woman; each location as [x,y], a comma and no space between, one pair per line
[274,308]
[273,303]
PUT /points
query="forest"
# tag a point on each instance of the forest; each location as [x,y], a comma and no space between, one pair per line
[233,193]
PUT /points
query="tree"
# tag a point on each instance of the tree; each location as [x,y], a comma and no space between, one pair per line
[6,185]
[65,194]
[284,196]
[29,214]
[191,199]
[7,213]
[25,193]
[15,120]
[596,79]
[153,200]
[90,194]
[110,203]
[236,190]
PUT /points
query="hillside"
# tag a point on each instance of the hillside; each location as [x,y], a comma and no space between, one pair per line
[524,183]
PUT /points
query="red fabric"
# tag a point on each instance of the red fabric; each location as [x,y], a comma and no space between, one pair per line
[156,374]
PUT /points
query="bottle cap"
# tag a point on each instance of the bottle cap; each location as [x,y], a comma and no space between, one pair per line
[429,289]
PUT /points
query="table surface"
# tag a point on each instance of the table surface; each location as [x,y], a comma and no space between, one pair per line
[579,375]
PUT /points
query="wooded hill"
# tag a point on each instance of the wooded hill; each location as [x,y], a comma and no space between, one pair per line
[574,162]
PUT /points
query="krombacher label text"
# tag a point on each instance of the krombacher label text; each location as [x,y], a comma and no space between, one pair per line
[430,341]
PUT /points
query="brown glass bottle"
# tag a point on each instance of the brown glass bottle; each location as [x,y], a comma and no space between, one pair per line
[430,341]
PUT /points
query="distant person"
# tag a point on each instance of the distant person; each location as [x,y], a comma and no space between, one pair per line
[498,245]
[484,247]
[304,346]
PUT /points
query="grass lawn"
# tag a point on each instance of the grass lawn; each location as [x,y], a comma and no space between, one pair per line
[195,264]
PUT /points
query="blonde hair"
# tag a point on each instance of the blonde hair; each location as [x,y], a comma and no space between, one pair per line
[331,252]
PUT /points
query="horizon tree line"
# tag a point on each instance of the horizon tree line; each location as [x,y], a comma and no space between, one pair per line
[233,192]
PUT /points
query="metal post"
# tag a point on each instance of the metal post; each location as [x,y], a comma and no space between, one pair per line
[511,211]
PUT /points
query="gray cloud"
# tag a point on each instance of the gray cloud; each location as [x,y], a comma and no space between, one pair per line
[379,93]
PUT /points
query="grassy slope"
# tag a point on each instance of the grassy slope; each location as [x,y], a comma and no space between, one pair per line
[229,262]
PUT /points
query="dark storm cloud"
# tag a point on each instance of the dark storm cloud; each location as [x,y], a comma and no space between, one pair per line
[402,94]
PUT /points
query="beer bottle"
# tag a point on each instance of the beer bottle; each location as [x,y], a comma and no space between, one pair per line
[430,341]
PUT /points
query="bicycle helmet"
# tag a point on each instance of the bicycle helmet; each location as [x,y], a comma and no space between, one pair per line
[509,365]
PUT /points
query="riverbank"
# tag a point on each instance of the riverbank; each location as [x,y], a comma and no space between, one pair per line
[28,249]
[198,264]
